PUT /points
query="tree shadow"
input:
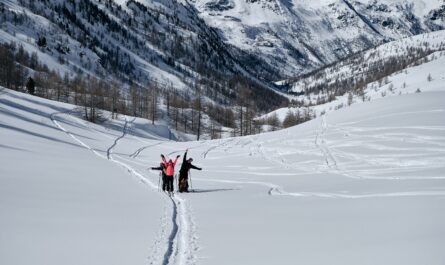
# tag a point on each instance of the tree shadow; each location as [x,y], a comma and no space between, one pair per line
[38,102]
[20,130]
[26,119]
[13,148]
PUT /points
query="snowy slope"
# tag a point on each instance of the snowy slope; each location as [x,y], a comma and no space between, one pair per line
[361,185]
[59,203]
[360,65]
[424,73]
[413,79]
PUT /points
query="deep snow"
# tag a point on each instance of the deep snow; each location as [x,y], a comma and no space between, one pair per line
[361,185]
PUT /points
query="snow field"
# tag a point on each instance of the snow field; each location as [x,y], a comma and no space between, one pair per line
[56,203]
[361,185]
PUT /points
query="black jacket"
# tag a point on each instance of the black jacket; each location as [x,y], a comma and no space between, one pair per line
[186,166]
[161,168]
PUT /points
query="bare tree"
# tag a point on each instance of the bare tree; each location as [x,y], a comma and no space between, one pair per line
[115,96]
[199,108]
[290,119]
[135,99]
[350,99]
[274,121]
[153,102]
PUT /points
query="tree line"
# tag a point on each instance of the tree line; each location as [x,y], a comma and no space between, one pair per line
[185,110]
[365,70]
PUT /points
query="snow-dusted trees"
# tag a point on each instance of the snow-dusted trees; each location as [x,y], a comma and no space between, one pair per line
[91,100]
[291,119]
[273,121]
[367,67]
[175,104]
[144,101]
[198,107]
[153,101]
[135,100]
[114,98]
[215,130]
[7,66]
[246,111]
[11,75]
[350,98]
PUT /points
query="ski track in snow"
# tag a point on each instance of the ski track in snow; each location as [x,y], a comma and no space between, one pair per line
[332,167]
[356,196]
[181,241]
[124,132]
[276,190]
[332,164]
[221,143]
[177,240]
[320,142]
[173,235]
[138,151]
[281,161]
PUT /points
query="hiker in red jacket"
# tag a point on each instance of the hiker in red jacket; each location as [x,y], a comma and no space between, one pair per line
[169,171]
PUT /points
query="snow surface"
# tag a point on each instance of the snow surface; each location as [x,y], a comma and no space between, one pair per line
[361,185]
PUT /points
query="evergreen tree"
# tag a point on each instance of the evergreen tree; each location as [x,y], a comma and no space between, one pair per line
[30,86]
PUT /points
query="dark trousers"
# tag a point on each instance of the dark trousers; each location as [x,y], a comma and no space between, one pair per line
[164,182]
[183,175]
[169,180]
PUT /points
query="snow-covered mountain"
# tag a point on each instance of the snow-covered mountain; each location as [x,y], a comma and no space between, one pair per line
[224,53]
[175,42]
[162,43]
[298,36]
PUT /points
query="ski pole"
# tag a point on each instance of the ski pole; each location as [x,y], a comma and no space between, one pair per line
[159,182]
[191,183]
[176,181]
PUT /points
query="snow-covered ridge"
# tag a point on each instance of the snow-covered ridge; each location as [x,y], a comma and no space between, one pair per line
[300,36]
[360,65]
[411,65]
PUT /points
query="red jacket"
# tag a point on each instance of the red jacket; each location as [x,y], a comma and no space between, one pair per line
[170,168]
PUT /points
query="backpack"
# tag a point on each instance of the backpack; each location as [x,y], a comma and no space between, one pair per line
[183,185]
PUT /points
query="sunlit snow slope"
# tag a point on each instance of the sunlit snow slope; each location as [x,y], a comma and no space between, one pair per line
[362,185]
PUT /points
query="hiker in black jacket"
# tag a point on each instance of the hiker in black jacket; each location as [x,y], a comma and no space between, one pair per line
[164,176]
[184,171]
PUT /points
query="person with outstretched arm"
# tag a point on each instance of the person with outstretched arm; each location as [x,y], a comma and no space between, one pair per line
[164,176]
[184,172]
[169,171]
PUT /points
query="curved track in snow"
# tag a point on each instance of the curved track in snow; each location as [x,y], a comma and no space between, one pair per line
[179,241]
